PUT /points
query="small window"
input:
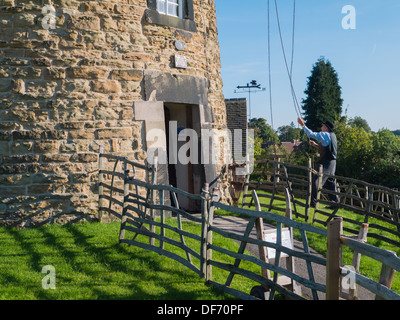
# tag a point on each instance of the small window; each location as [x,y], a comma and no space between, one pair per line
[173,13]
[172,8]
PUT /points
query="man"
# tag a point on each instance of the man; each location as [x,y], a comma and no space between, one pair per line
[327,147]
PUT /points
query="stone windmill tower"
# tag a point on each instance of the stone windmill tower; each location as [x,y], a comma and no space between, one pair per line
[76,75]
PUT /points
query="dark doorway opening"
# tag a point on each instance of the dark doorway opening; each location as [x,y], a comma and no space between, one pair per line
[189,177]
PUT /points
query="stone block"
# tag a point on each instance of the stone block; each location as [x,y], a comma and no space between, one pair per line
[105,113]
[127,114]
[13,61]
[127,75]
[47,146]
[41,178]
[74,114]
[12,191]
[106,86]
[55,135]
[5,85]
[84,23]
[9,3]
[85,157]
[75,146]
[25,44]
[18,86]
[4,147]
[102,7]
[72,125]
[26,115]
[25,20]
[41,62]
[131,86]
[26,135]
[40,89]
[15,180]
[26,72]
[114,133]
[118,38]
[56,157]
[21,147]
[54,73]
[109,25]
[134,56]
[40,189]
[4,72]
[12,169]
[81,134]
[76,86]
[127,9]
[28,158]
[87,72]
[33,167]
[61,168]
[128,145]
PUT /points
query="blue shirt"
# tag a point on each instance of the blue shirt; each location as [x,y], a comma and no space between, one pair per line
[324,138]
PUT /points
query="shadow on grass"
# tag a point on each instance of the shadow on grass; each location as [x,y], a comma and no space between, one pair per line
[93,266]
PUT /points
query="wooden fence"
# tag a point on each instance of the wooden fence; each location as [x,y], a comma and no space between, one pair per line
[373,204]
[113,172]
[144,224]
[285,280]
[334,269]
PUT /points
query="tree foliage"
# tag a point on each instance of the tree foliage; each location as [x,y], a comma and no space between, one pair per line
[371,157]
[367,156]
[360,122]
[290,133]
[323,101]
[263,130]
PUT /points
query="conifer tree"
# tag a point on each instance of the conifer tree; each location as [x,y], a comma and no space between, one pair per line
[323,101]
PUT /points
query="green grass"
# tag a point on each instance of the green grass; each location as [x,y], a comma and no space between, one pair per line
[368,267]
[90,264]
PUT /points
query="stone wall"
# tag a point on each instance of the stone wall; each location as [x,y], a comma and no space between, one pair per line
[65,92]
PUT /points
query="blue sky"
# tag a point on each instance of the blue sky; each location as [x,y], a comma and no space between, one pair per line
[366,58]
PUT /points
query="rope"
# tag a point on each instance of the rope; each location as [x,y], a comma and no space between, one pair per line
[269,68]
[293,36]
[289,72]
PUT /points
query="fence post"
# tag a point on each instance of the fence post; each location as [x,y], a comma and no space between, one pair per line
[362,236]
[386,277]
[125,204]
[246,180]
[162,217]
[153,198]
[319,187]
[260,235]
[101,180]
[210,221]
[204,220]
[309,188]
[368,204]
[334,259]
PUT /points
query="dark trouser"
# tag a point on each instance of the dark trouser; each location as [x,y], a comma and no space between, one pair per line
[329,168]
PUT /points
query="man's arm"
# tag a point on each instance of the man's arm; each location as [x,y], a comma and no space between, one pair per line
[322,137]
